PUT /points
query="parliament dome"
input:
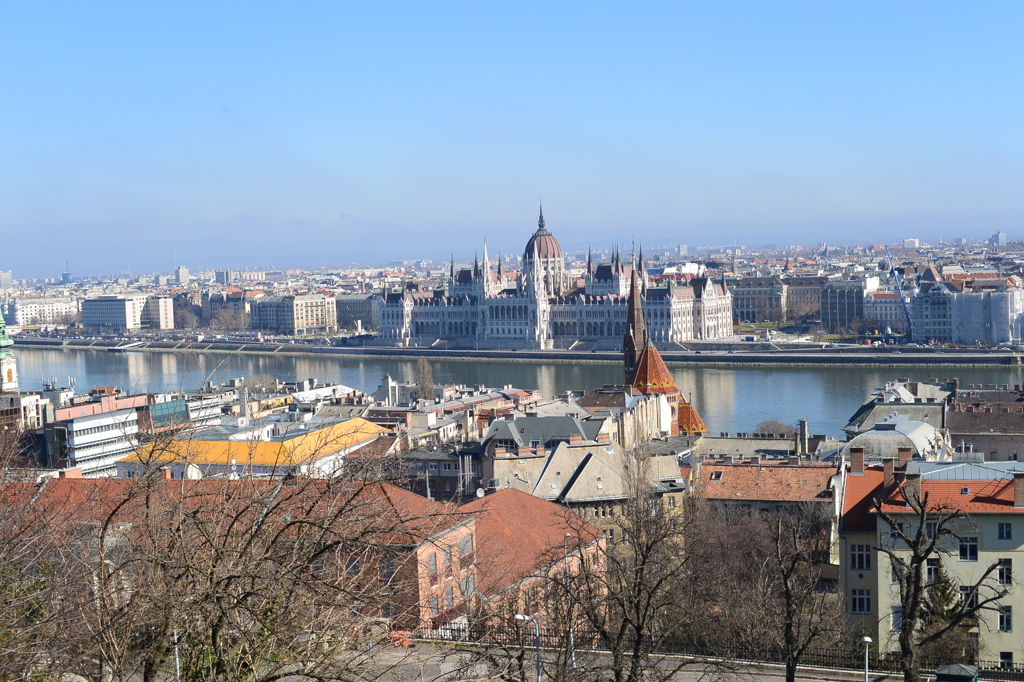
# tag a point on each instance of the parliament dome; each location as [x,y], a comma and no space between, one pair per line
[543,241]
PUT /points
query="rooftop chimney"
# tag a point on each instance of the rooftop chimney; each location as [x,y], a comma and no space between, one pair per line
[70,473]
[755,460]
[912,486]
[1018,489]
[904,455]
[727,459]
[575,438]
[499,452]
[604,438]
[794,461]
[524,452]
[856,460]
[889,472]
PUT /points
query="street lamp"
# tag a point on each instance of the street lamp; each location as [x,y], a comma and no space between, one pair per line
[568,593]
[867,648]
[536,638]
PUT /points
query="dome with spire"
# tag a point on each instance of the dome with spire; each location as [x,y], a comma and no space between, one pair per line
[543,242]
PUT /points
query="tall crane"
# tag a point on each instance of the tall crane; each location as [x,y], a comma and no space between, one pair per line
[899,288]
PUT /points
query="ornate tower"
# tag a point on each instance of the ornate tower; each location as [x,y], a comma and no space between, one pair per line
[636,329]
[8,363]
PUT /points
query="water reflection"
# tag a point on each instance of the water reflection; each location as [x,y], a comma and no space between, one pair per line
[728,399]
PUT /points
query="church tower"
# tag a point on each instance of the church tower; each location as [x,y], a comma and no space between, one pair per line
[8,363]
[636,330]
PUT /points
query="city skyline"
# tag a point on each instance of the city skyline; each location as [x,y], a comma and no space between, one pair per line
[338,134]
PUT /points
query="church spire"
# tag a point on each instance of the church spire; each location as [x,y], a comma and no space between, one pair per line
[590,260]
[540,221]
[636,330]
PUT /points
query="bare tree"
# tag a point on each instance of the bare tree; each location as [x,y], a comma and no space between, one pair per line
[798,611]
[924,531]
[424,379]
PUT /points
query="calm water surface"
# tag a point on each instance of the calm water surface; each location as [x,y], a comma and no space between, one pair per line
[728,399]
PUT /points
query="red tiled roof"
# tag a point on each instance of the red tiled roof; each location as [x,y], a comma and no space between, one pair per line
[982,497]
[519,534]
[769,482]
[861,491]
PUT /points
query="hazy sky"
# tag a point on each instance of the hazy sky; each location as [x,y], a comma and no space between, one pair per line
[291,133]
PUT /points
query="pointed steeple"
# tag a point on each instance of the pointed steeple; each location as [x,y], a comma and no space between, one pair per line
[476,265]
[501,270]
[590,261]
[451,272]
[540,221]
[636,330]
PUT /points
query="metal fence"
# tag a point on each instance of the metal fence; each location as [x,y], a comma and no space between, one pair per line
[523,637]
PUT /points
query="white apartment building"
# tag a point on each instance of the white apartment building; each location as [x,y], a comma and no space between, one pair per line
[128,312]
[95,443]
[886,308]
[27,311]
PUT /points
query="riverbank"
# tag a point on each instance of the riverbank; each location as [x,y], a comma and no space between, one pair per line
[722,357]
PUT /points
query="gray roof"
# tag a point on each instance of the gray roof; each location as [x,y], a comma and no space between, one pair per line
[871,413]
[965,471]
[898,431]
[546,430]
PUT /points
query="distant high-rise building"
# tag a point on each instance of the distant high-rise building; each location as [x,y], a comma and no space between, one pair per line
[225,276]
[6,281]
[683,250]
[182,275]
[912,243]
[998,239]
[959,241]
[66,278]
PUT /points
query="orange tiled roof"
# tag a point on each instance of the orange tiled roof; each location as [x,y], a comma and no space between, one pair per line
[861,491]
[982,497]
[689,420]
[652,375]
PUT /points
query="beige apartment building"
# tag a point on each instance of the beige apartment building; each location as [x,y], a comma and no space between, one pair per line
[991,533]
[304,315]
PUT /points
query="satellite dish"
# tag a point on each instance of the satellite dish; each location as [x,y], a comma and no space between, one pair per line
[480,492]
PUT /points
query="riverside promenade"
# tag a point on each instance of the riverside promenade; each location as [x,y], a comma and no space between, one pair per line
[705,354]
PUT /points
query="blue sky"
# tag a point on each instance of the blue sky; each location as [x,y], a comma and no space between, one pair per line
[290,134]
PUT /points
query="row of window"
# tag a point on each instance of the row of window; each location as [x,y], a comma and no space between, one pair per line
[860,560]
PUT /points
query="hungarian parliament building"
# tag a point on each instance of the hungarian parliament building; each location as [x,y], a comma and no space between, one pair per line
[543,307]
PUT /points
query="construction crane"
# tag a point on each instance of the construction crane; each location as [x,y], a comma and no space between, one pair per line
[899,288]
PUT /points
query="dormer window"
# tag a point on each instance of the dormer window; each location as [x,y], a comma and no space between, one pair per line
[716,475]
[965,491]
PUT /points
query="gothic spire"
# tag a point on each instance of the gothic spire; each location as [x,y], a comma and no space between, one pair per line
[636,330]
[540,221]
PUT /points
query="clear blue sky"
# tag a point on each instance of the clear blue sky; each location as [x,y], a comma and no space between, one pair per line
[294,133]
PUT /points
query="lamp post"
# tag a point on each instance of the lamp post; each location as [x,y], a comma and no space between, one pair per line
[536,638]
[867,648]
[568,594]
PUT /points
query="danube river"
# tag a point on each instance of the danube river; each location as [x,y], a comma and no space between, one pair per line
[729,399]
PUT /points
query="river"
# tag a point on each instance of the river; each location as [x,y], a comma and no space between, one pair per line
[729,399]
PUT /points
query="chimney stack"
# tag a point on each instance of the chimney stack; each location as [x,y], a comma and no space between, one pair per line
[575,438]
[856,460]
[755,461]
[70,473]
[524,452]
[912,486]
[794,461]
[889,473]
[904,455]
[1018,489]
[727,459]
